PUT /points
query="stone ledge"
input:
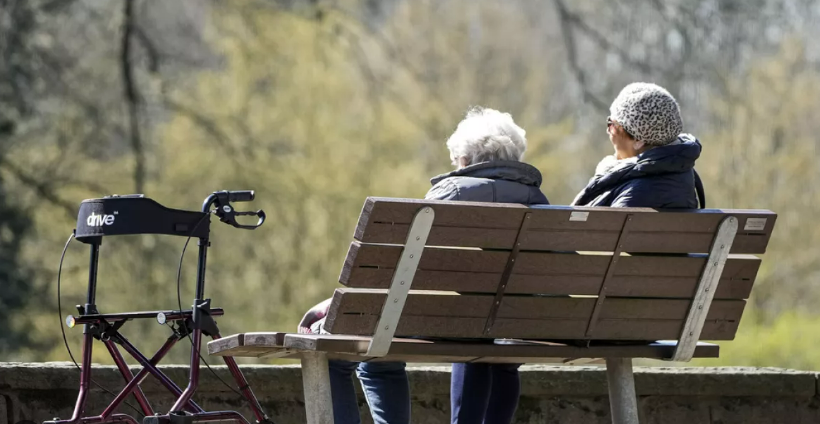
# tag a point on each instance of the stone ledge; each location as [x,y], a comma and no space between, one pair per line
[536,380]
[550,394]
[677,381]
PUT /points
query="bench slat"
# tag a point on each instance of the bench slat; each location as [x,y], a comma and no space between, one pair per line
[415,350]
[353,344]
[557,329]
[370,301]
[252,345]
[438,314]
[479,271]
[385,220]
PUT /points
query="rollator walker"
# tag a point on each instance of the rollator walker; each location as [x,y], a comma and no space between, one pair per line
[136,214]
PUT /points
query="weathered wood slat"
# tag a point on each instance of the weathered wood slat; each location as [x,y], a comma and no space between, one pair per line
[437,314]
[230,343]
[252,345]
[503,215]
[385,220]
[417,350]
[534,239]
[473,270]
[257,352]
[558,329]
[632,286]
[353,344]
[264,338]
[444,304]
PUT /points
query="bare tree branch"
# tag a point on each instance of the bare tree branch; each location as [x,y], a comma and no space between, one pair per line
[132,96]
[572,56]
[45,190]
[602,40]
[150,48]
[678,71]
[208,125]
[393,51]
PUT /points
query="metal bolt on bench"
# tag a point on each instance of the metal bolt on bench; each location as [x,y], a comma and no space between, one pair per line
[136,214]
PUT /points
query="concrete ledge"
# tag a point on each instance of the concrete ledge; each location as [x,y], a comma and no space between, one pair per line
[549,394]
[674,381]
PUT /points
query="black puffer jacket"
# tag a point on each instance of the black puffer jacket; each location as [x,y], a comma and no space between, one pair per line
[663,177]
[495,181]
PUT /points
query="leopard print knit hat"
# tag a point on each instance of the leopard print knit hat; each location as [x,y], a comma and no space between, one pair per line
[648,112]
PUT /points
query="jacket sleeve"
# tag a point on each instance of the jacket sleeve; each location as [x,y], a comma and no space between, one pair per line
[444,190]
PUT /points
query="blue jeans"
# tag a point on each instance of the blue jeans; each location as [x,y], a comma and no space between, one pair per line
[484,393]
[385,387]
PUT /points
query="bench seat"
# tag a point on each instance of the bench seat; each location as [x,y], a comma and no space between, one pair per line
[354,348]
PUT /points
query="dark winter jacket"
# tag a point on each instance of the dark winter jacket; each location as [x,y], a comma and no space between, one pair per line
[663,177]
[494,181]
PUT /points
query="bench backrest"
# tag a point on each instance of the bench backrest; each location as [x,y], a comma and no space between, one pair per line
[490,270]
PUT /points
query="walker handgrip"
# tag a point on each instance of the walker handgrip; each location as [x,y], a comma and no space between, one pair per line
[240,196]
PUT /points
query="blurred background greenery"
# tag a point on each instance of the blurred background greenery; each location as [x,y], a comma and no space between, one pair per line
[319,104]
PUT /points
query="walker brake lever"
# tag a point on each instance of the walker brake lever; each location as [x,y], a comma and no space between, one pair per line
[228,214]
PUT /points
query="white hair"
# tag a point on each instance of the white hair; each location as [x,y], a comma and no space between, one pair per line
[485,135]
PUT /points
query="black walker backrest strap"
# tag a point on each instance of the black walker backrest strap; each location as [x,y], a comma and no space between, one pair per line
[136,215]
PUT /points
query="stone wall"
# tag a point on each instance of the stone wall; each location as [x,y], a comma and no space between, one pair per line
[566,395]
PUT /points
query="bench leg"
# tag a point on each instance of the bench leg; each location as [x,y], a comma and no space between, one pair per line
[623,402]
[316,383]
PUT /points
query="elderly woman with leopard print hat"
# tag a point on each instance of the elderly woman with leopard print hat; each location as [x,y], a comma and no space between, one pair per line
[654,161]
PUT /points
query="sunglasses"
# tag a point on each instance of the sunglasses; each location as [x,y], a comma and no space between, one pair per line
[610,122]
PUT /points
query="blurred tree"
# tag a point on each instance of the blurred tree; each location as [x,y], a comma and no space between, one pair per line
[15,274]
[20,77]
[768,149]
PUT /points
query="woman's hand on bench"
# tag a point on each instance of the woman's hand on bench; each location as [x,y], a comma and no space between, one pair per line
[313,315]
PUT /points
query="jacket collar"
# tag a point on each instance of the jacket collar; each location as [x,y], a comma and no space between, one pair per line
[519,172]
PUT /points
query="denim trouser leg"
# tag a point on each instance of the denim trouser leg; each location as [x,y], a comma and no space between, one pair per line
[504,395]
[484,393]
[343,393]
[385,387]
[469,393]
[387,391]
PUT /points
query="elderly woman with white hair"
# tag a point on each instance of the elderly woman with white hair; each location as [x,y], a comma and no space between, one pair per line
[487,149]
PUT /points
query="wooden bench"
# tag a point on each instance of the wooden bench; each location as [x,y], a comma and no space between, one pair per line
[541,284]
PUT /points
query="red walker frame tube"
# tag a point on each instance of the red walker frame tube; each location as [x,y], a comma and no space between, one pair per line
[131,383]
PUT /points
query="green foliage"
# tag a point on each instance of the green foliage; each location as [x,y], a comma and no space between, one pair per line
[14,227]
[788,342]
[766,157]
